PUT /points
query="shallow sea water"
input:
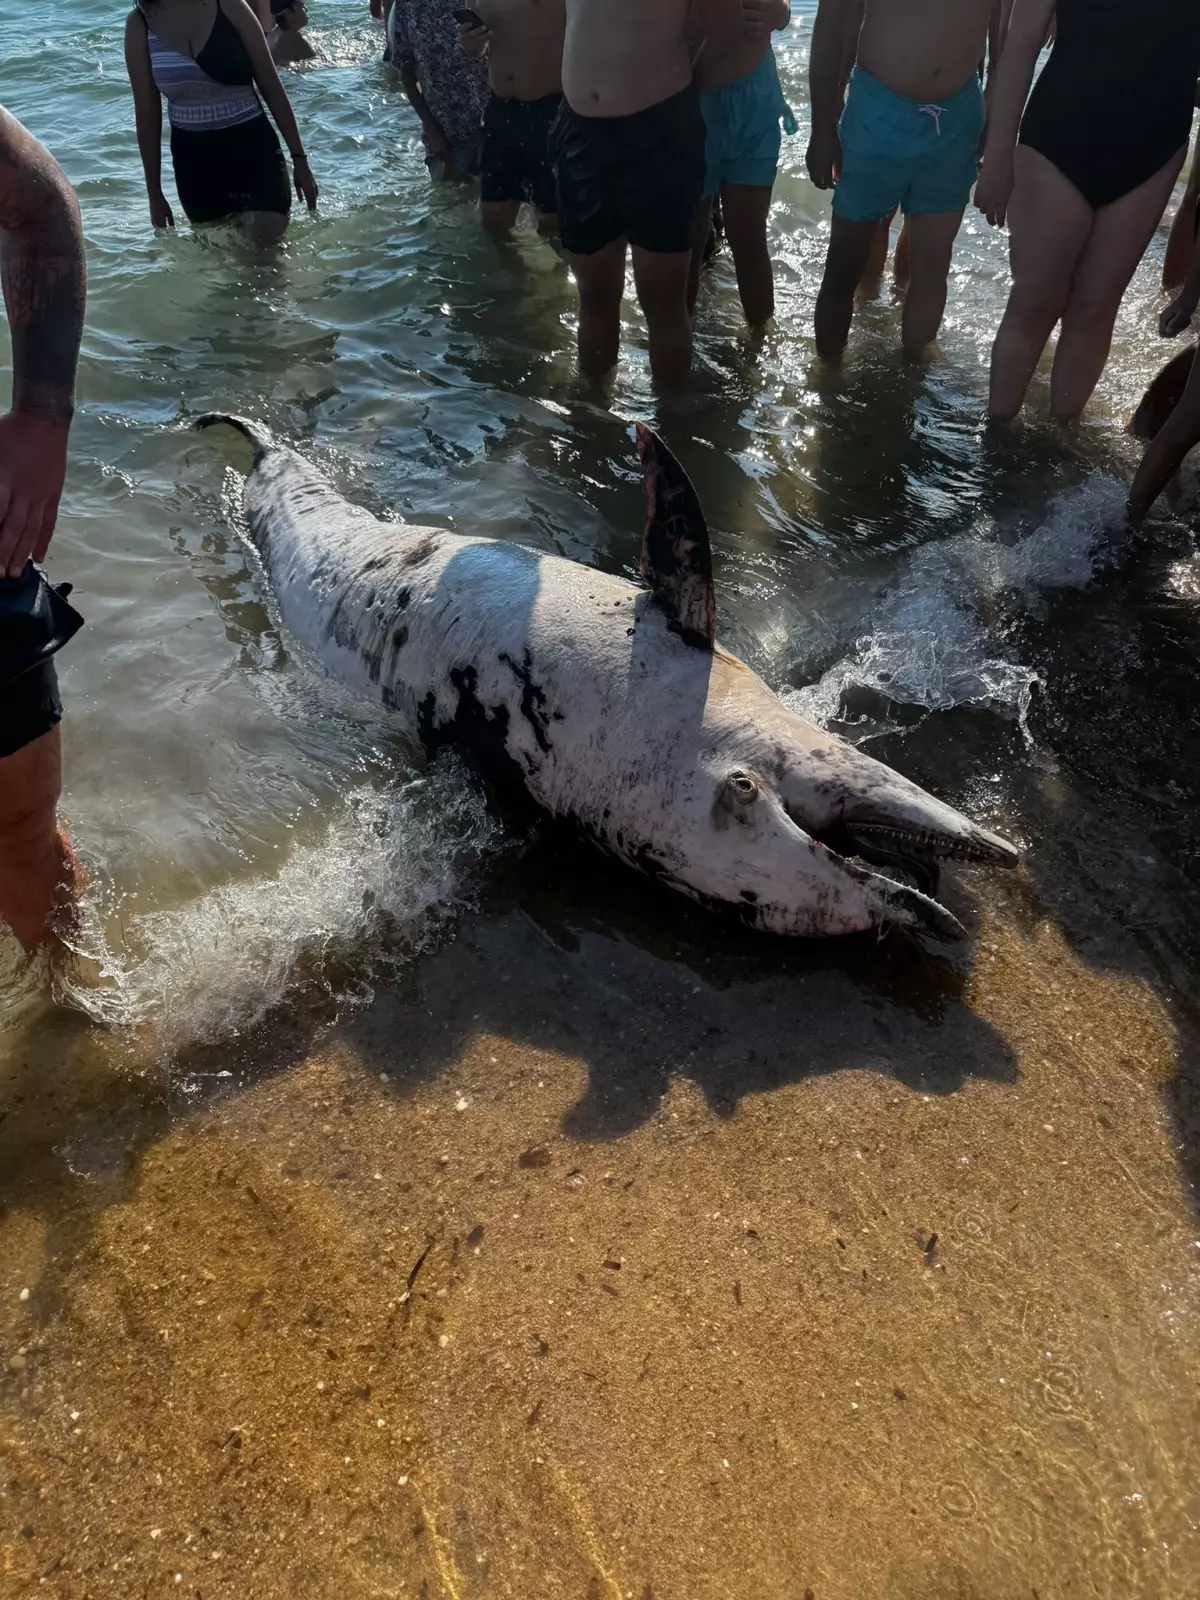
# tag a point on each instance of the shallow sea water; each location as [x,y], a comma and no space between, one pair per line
[344,1014]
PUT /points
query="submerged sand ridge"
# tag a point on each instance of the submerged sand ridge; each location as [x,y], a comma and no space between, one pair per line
[872,1299]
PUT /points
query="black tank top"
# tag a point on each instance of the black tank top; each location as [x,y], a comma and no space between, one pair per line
[224,56]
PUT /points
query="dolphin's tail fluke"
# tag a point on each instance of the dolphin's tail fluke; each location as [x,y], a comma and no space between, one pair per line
[260,439]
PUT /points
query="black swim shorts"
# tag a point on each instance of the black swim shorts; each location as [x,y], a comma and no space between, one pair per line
[516,152]
[35,623]
[639,177]
[224,172]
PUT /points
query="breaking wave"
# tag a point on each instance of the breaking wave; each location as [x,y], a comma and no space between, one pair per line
[936,633]
[392,872]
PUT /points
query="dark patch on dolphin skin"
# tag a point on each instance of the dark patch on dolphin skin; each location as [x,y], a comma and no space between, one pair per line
[478,732]
[400,637]
[375,563]
[420,552]
[533,700]
[750,897]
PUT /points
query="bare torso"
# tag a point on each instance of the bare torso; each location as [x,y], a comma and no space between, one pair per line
[624,55]
[714,70]
[525,57]
[926,49]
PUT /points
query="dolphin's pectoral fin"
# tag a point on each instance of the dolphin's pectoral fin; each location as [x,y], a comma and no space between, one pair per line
[676,551]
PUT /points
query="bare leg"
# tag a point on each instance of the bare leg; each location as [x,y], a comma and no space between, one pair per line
[880,245]
[264,228]
[38,873]
[1163,395]
[1165,452]
[699,249]
[499,216]
[1182,239]
[1117,242]
[747,208]
[849,251]
[901,264]
[601,280]
[931,245]
[662,286]
[1049,223]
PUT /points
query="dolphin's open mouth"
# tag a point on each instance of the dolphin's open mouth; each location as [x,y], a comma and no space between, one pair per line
[908,859]
[915,854]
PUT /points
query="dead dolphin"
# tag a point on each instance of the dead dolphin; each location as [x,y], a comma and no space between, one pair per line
[612,705]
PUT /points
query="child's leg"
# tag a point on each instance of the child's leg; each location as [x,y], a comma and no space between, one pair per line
[1163,395]
[746,208]
[931,244]
[850,245]
[1166,451]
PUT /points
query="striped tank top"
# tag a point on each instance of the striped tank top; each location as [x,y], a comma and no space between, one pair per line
[197,101]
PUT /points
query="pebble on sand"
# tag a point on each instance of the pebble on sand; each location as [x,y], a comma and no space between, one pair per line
[24,1295]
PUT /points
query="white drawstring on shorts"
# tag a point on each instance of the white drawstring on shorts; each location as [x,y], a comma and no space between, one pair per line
[935,112]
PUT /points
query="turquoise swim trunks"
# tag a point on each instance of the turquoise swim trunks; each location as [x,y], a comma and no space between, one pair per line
[742,119]
[922,155]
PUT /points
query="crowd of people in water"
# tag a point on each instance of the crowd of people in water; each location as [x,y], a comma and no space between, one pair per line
[642,129]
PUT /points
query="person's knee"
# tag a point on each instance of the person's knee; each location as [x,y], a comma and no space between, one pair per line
[27,820]
[498,217]
[1091,314]
[265,228]
[1033,310]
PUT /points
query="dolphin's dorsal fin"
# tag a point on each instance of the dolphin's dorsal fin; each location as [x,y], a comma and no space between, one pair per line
[676,551]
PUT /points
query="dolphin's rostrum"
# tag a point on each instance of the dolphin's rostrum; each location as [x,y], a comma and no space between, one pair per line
[614,707]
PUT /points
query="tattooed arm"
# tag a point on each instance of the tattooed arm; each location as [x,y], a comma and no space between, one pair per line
[41,264]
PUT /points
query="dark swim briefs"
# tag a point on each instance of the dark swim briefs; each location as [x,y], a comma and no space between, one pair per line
[516,152]
[637,177]
[35,623]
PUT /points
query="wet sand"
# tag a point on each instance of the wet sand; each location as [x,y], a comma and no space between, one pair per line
[587,1268]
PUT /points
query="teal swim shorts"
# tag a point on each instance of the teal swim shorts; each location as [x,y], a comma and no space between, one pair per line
[922,155]
[742,122]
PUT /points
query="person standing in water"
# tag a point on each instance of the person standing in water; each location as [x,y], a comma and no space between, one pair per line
[628,153]
[288,45]
[523,41]
[446,88]
[743,108]
[1083,177]
[45,285]
[909,136]
[209,59]
[1169,415]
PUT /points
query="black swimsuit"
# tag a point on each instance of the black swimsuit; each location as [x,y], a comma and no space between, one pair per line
[1115,101]
[235,164]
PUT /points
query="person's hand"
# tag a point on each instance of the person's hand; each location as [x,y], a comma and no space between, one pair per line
[762,18]
[33,466]
[438,143]
[474,40]
[824,159]
[993,191]
[1179,314]
[306,184]
[161,214]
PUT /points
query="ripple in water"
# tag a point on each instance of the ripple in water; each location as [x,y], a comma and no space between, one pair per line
[392,872]
[932,642]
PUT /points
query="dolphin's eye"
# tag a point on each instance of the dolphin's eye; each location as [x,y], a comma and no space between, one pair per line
[743,786]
